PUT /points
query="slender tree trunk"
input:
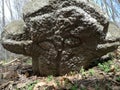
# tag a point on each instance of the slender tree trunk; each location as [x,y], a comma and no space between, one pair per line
[3,21]
[3,14]
[8,2]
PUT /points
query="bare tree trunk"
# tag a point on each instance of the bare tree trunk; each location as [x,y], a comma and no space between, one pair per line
[8,2]
[3,14]
[113,12]
[3,21]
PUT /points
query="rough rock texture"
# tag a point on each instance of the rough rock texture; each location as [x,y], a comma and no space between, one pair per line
[61,35]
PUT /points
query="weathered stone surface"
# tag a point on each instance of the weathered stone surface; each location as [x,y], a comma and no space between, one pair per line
[14,38]
[62,35]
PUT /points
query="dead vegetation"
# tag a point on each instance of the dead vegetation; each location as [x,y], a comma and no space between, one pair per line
[17,75]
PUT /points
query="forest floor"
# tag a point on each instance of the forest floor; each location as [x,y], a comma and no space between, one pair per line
[102,75]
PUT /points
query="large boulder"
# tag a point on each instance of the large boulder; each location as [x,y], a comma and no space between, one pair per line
[61,35]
